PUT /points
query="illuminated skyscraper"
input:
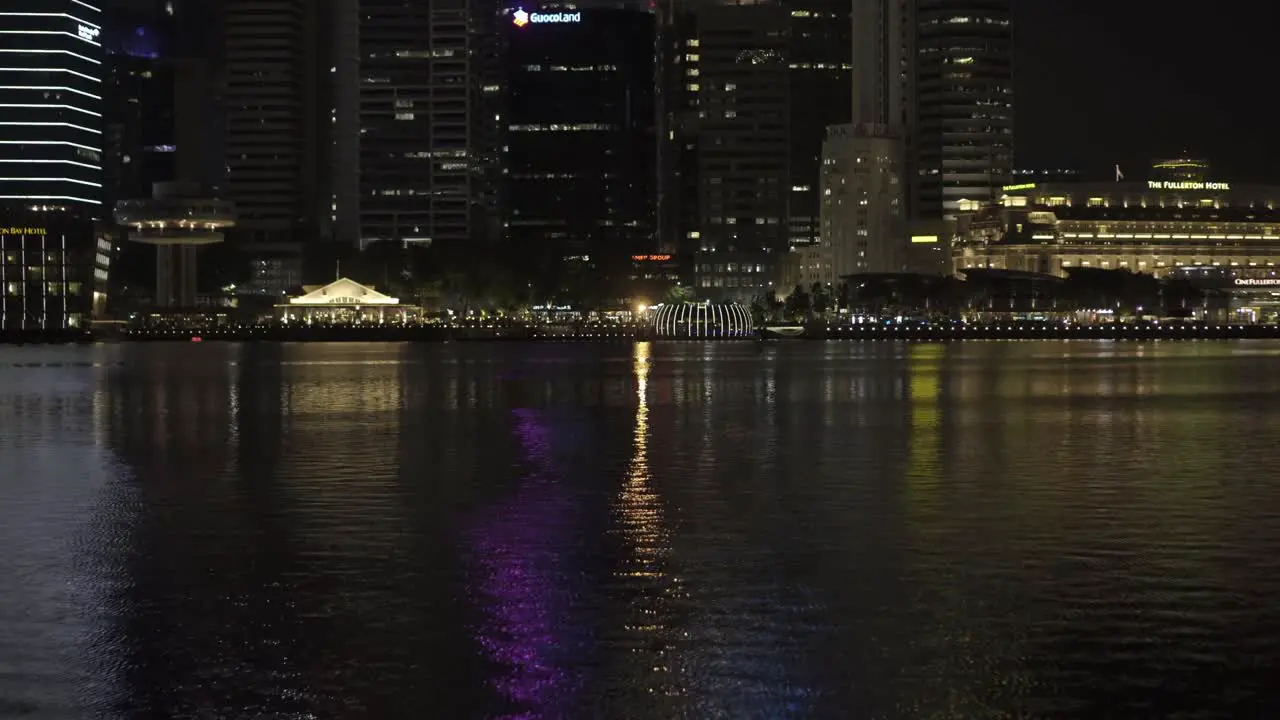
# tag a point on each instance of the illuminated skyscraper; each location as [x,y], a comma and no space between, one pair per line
[51,103]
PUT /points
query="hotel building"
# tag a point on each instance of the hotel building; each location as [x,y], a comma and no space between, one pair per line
[51,111]
[1159,227]
[53,271]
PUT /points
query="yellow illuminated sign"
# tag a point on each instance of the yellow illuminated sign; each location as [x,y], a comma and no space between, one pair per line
[921,239]
[23,231]
[1186,185]
[1023,186]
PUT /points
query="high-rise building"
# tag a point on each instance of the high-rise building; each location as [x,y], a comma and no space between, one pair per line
[960,139]
[737,127]
[273,122]
[881,77]
[580,150]
[275,62]
[934,79]
[736,70]
[425,91]
[51,111]
[940,74]
[139,142]
[748,91]
[862,203]
[819,62]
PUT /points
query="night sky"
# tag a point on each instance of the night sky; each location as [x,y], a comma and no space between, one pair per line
[1101,82]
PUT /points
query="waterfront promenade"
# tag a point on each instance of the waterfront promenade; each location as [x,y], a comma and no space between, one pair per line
[918,332]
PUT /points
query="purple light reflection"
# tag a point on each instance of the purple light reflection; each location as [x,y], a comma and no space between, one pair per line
[519,549]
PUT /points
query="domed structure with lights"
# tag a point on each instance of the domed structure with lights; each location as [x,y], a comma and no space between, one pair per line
[702,320]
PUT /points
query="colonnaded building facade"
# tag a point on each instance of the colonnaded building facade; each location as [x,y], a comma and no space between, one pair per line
[1184,224]
[1161,227]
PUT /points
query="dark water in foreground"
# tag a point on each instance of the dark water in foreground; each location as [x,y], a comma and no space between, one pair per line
[988,530]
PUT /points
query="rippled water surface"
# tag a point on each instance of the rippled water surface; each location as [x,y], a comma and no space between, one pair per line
[986,530]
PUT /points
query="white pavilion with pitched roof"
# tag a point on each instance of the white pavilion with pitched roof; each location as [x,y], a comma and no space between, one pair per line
[345,301]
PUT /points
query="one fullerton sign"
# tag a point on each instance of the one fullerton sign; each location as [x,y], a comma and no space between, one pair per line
[520,18]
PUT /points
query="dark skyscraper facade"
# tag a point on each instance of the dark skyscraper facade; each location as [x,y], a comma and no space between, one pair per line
[961,144]
[273,122]
[421,119]
[748,90]
[580,149]
[738,126]
[140,141]
[51,114]
[819,70]
[938,74]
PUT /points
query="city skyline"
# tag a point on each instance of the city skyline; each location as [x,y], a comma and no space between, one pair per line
[1157,100]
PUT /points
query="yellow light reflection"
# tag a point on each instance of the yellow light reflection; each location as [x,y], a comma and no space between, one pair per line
[644,532]
[923,385]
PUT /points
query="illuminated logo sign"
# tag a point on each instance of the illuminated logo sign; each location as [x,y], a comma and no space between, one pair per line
[88,33]
[23,231]
[1168,185]
[1258,282]
[651,258]
[924,239]
[520,18]
[1023,186]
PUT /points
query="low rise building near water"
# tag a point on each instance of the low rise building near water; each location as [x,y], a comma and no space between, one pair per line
[54,268]
[346,302]
[1217,234]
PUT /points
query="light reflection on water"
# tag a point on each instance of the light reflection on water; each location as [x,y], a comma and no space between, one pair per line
[650,531]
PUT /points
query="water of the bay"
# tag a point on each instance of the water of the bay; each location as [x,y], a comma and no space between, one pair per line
[808,530]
